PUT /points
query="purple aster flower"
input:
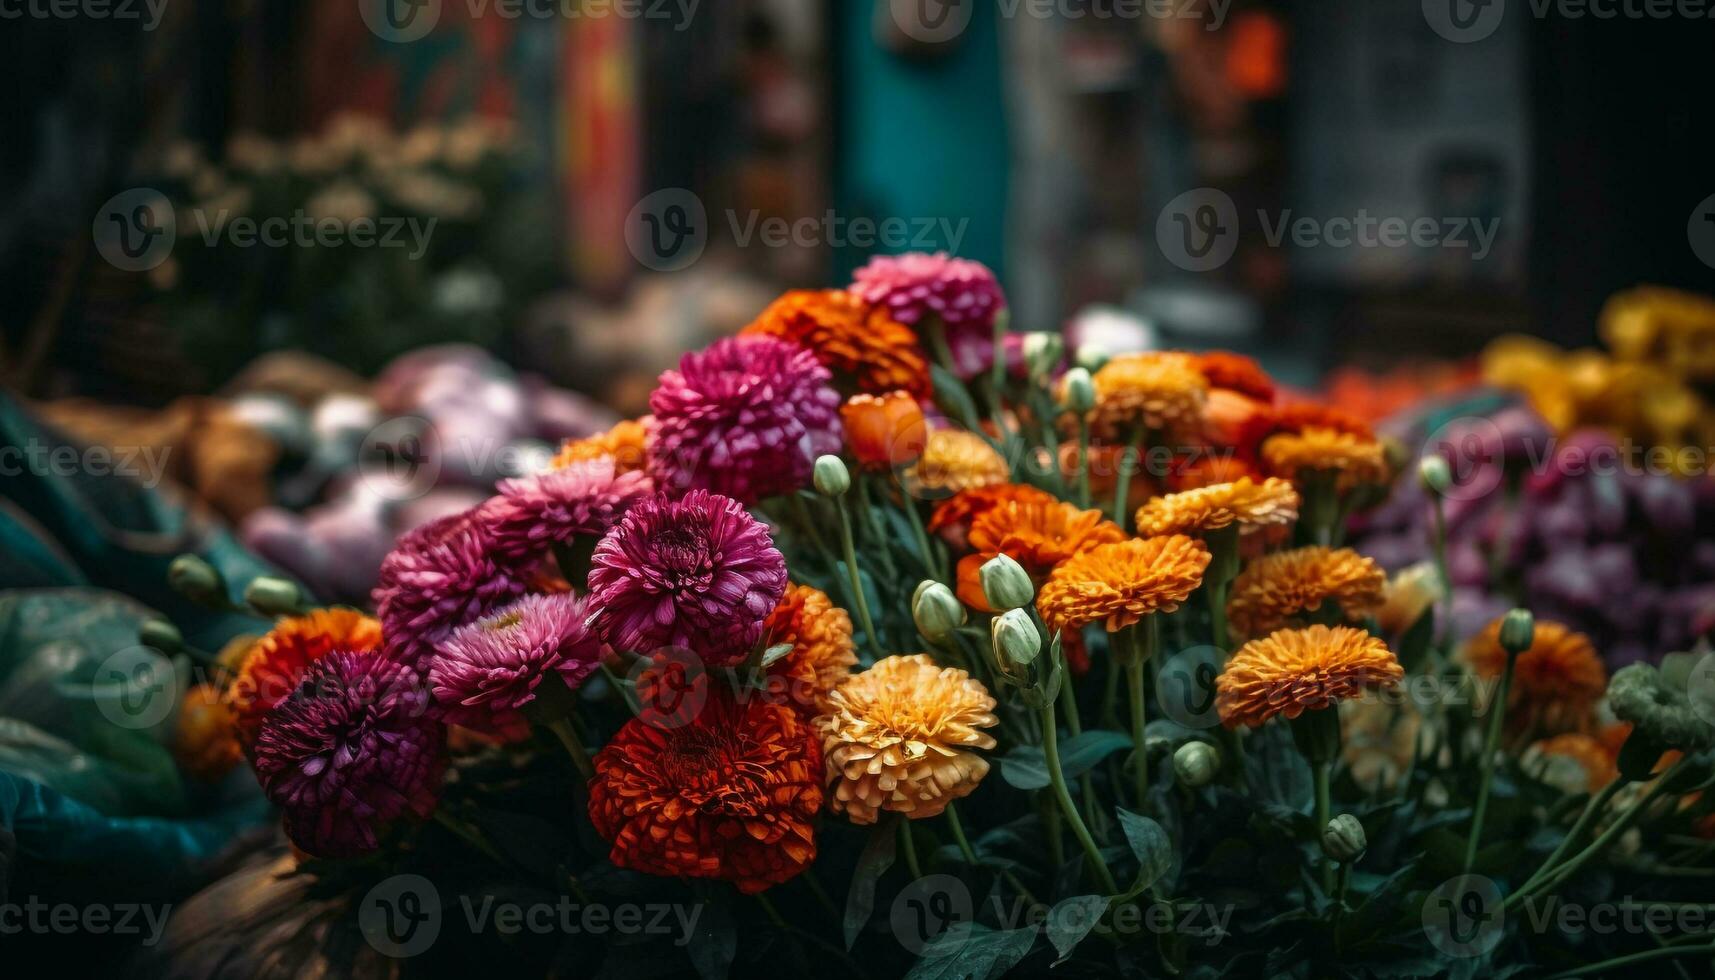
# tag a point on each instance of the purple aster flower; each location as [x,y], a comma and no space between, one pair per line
[962,293]
[351,752]
[439,577]
[698,572]
[745,418]
[535,513]
[489,669]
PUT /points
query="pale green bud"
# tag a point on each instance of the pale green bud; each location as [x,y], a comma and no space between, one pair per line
[1343,839]
[1006,585]
[1518,631]
[1435,473]
[1078,391]
[1042,352]
[832,479]
[1195,764]
[936,611]
[195,579]
[1016,639]
[274,596]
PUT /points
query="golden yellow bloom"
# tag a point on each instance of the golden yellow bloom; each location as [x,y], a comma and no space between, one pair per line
[1668,326]
[1155,390]
[624,442]
[1245,502]
[1293,671]
[1274,589]
[1357,460]
[1123,582]
[823,653]
[1409,594]
[900,737]
[955,460]
[1557,683]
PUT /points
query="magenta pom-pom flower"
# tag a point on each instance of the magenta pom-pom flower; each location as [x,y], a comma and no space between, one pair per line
[745,418]
[698,572]
[439,577]
[352,751]
[489,669]
[961,292]
[535,513]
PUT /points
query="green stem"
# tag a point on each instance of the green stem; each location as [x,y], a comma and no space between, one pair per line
[580,756]
[1122,483]
[931,562]
[1649,955]
[801,510]
[1439,545]
[1324,811]
[856,582]
[1084,462]
[1491,744]
[958,829]
[1063,796]
[1141,653]
[909,846]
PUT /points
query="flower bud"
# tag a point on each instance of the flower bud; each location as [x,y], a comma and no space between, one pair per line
[936,611]
[1006,585]
[162,635]
[832,479]
[1343,839]
[1078,391]
[1195,764]
[1042,352]
[1091,357]
[1518,631]
[274,596]
[197,580]
[1016,640]
[1436,475]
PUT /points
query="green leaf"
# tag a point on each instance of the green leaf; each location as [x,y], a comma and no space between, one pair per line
[715,942]
[1415,643]
[952,396]
[774,653]
[1026,768]
[971,951]
[876,858]
[1070,920]
[1152,846]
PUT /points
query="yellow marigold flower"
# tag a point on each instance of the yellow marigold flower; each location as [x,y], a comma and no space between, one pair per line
[1557,683]
[1274,589]
[1245,502]
[1357,460]
[624,442]
[1409,594]
[823,652]
[955,460]
[1154,390]
[1669,326]
[900,737]
[1121,583]
[1293,671]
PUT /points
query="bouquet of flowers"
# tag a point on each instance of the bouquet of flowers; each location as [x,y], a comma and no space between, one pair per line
[890,644]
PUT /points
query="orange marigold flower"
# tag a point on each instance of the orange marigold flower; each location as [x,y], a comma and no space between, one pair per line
[1557,683]
[1123,582]
[1155,390]
[1040,534]
[1236,372]
[278,661]
[900,737]
[866,349]
[732,794]
[1275,589]
[1247,503]
[625,442]
[204,740]
[962,508]
[823,653]
[1299,416]
[1289,672]
[1355,459]
[955,460]
[1235,421]
[887,431]
[1575,762]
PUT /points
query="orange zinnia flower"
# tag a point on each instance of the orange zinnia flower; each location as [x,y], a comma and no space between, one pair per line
[955,460]
[900,737]
[1355,459]
[1247,503]
[1236,372]
[733,794]
[278,661]
[1293,671]
[1308,415]
[823,653]
[625,443]
[1557,683]
[1237,422]
[204,740]
[860,344]
[1037,534]
[887,431]
[1275,589]
[1121,583]
[951,518]
[1153,390]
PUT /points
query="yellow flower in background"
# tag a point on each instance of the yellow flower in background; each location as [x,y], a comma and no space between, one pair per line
[1409,594]
[1290,672]
[1275,589]
[1355,459]
[901,736]
[1666,326]
[1156,390]
[625,442]
[955,460]
[1119,584]
[1245,502]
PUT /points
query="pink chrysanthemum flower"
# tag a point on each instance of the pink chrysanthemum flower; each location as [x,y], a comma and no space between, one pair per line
[535,513]
[962,293]
[489,669]
[698,573]
[350,753]
[437,578]
[745,418]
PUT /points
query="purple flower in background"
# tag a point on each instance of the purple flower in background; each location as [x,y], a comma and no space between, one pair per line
[962,293]
[439,577]
[745,418]
[489,669]
[536,513]
[698,572]
[351,752]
